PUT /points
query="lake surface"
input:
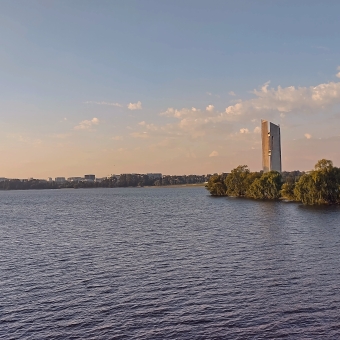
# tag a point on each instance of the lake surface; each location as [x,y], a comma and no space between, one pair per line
[166,263]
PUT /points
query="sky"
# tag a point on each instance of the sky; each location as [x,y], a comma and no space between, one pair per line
[177,87]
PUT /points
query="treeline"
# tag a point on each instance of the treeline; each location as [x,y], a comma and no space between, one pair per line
[124,180]
[319,186]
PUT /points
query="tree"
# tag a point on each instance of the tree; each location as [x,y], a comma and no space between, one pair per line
[268,186]
[236,181]
[216,186]
[320,186]
[287,191]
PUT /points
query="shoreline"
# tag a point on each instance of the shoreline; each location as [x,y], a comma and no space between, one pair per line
[175,186]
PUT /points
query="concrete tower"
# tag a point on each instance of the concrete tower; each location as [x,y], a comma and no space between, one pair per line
[271,147]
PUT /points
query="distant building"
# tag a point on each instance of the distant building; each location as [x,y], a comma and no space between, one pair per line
[154,175]
[75,179]
[271,147]
[50,179]
[60,180]
[90,177]
[3,179]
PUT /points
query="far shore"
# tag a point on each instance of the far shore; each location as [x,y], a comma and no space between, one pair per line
[177,185]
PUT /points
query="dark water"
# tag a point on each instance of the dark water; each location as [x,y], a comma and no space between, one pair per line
[166,264]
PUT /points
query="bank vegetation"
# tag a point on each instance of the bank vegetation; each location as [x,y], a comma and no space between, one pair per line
[316,187]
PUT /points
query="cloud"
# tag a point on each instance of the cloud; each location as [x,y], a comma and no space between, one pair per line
[338,74]
[195,123]
[60,135]
[135,106]
[143,135]
[286,100]
[211,125]
[211,94]
[232,93]
[214,154]
[26,140]
[308,136]
[104,103]
[117,138]
[87,124]
[210,108]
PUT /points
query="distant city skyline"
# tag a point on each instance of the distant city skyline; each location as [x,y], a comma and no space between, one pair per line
[174,87]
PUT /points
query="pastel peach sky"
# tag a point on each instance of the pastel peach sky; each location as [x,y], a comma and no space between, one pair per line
[178,87]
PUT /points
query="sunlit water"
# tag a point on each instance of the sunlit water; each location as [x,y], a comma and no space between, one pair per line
[165,263]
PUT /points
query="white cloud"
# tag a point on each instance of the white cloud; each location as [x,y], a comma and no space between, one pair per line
[214,154]
[210,108]
[290,99]
[104,103]
[338,74]
[135,106]
[269,103]
[308,136]
[87,124]
[232,93]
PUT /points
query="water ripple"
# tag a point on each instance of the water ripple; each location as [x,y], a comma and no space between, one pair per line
[165,264]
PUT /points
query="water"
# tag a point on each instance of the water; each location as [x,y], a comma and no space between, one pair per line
[165,264]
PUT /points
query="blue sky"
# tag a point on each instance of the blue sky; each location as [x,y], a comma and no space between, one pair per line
[70,69]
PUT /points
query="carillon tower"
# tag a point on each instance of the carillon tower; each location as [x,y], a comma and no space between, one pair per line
[271,147]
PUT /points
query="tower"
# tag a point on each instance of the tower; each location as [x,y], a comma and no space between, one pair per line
[271,147]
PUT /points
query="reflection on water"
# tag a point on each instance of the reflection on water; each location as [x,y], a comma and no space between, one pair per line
[166,263]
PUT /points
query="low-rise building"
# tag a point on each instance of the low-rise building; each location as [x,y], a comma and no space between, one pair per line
[60,180]
[90,177]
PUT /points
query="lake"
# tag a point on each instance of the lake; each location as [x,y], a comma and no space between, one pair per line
[166,263]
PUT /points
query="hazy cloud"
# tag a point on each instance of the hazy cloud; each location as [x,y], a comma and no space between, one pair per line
[117,138]
[210,108]
[87,124]
[142,135]
[135,106]
[308,136]
[214,154]
[244,130]
[104,103]
[232,93]
[257,129]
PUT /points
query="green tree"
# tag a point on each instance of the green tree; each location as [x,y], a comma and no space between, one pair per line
[236,181]
[216,186]
[268,186]
[319,186]
[287,191]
